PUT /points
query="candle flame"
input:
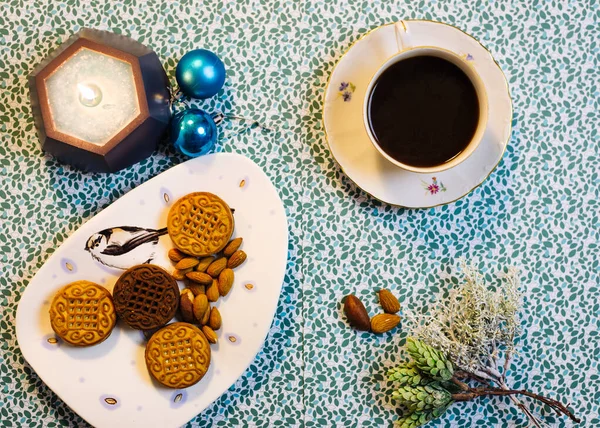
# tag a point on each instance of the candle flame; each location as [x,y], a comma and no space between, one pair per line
[90,95]
[86,92]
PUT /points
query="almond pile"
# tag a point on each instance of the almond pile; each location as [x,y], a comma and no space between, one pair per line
[206,280]
[358,317]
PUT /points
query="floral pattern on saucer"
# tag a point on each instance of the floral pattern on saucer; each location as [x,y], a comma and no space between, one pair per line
[345,90]
[434,187]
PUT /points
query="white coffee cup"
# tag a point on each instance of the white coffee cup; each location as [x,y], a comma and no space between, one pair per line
[468,69]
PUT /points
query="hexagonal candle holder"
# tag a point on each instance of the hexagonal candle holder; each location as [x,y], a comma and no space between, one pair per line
[101,101]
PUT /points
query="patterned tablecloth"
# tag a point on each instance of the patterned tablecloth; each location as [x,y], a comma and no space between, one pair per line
[539,210]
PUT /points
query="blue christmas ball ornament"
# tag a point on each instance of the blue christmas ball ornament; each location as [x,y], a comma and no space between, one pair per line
[193,132]
[200,74]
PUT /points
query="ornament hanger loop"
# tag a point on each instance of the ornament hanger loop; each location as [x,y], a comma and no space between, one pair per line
[177,97]
[218,117]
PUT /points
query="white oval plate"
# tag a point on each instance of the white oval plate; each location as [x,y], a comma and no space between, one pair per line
[347,136]
[108,384]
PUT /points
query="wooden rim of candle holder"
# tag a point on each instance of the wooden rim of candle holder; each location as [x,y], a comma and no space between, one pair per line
[57,62]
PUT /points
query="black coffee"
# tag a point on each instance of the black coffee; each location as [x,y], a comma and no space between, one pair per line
[423,111]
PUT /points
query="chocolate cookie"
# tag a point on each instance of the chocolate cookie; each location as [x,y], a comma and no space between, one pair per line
[82,313]
[200,224]
[146,297]
[178,355]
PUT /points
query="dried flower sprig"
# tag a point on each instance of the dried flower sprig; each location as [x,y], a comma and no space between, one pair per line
[462,338]
[474,323]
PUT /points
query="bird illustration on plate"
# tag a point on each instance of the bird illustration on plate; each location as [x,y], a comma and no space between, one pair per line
[124,246]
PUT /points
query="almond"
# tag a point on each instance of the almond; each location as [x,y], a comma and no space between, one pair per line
[199,277]
[206,317]
[179,275]
[200,306]
[204,263]
[217,267]
[212,292]
[232,247]
[210,334]
[214,320]
[186,290]
[186,305]
[384,322]
[356,313]
[187,263]
[175,255]
[236,259]
[225,281]
[197,289]
[388,301]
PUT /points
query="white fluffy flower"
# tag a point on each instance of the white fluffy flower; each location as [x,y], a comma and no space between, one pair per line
[475,322]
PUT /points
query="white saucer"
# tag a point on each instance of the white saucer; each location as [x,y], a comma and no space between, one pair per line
[348,139]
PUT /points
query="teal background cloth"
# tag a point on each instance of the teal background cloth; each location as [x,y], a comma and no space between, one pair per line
[539,210]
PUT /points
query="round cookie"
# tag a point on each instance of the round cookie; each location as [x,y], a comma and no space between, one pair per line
[200,224]
[178,355]
[146,297]
[82,313]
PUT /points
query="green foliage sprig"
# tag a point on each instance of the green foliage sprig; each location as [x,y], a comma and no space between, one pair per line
[462,339]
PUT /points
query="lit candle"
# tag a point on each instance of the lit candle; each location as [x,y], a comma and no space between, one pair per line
[92,96]
[101,101]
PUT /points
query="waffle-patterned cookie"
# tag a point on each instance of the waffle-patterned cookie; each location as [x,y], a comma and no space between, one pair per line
[200,224]
[146,297]
[178,355]
[82,313]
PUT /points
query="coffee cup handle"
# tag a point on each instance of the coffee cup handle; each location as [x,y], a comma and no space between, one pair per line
[403,39]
